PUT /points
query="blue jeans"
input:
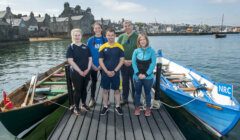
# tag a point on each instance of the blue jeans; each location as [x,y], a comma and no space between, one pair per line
[147,84]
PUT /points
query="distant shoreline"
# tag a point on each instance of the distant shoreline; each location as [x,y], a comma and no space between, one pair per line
[187,34]
[43,39]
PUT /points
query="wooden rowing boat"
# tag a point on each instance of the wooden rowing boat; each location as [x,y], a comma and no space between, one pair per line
[22,116]
[205,99]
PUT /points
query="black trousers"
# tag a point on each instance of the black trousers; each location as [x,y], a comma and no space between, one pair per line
[80,85]
[127,75]
[93,75]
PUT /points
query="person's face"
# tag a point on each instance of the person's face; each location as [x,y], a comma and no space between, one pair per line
[77,37]
[127,28]
[111,37]
[97,29]
[143,42]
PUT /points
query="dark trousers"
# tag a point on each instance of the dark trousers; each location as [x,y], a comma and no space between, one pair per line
[127,75]
[80,86]
[93,75]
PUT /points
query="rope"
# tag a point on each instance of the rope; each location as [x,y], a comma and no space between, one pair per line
[59,104]
[179,105]
[175,107]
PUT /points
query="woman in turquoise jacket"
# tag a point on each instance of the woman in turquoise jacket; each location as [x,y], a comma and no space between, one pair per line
[143,63]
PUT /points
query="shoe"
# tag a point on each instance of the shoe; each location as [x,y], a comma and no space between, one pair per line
[104,111]
[137,111]
[71,107]
[147,112]
[85,107]
[123,103]
[92,103]
[119,110]
[76,111]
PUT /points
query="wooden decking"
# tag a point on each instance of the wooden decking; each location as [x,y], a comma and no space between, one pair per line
[92,126]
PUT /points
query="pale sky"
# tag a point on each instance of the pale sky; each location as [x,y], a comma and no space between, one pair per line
[161,11]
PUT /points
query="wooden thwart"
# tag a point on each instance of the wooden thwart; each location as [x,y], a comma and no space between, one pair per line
[193,89]
[54,83]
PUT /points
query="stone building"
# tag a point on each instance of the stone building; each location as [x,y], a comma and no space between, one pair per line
[5,31]
[32,24]
[72,18]
[43,25]
[19,28]
[7,14]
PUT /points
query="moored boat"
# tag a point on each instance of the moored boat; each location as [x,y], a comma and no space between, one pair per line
[220,35]
[48,90]
[210,102]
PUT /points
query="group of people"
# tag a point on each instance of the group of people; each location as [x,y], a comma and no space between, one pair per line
[131,57]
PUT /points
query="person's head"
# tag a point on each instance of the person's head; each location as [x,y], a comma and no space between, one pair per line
[76,35]
[142,41]
[110,34]
[97,28]
[127,26]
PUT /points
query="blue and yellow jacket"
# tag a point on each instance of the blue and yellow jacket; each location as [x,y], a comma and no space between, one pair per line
[144,62]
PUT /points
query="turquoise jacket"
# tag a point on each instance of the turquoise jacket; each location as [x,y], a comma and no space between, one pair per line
[144,54]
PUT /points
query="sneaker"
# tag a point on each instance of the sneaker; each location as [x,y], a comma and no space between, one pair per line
[104,111]
[92,103]
[124,103]
[147,112]
[137,111]
[85,107]
[71,107]
[119,110]
[76,111]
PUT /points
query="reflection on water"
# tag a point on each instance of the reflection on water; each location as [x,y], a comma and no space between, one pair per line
[216,58]
[19,62]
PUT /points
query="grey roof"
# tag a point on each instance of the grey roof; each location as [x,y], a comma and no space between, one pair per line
[40,19]
[25,18]
[60,19]
[105,22]
[2,14]
[77,17]
[15,21]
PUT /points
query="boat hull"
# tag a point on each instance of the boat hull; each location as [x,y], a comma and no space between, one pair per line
[220,35]
[218,119]
[16,121]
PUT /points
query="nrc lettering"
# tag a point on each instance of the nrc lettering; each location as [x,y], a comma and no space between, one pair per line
[223,89]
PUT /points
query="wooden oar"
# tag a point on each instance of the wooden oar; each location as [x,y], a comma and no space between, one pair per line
[33,91]
[193,89]
[30,86]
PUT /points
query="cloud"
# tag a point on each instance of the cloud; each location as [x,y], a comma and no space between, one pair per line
[223,1]
[118,6]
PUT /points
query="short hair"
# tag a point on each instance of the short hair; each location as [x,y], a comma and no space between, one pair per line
[139,37]
[127,22]
[110,30]
[97,23]
[74,31]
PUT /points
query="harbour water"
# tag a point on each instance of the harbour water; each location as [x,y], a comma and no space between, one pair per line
[215,58]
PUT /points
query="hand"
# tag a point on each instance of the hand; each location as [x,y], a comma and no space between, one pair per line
[86,72]
[95,68]
[81,73]
[110,73]
[141,76]
[127,63]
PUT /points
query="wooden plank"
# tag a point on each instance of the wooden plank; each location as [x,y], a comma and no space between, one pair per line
[60,127]
[145,128]
[54,83]
[68,128]
[162,125]
[77,127]
[127,124]
[154,128]
[174,130]
[101,135]
[111,118]
[138,132]
[193,89]
[93,130]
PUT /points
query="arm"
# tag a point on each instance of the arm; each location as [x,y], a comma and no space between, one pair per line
[119,64]
[104,67]
[89,66]
[153,64]
[74,65]
[134,62]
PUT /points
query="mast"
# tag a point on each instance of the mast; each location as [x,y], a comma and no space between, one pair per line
[222,22]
